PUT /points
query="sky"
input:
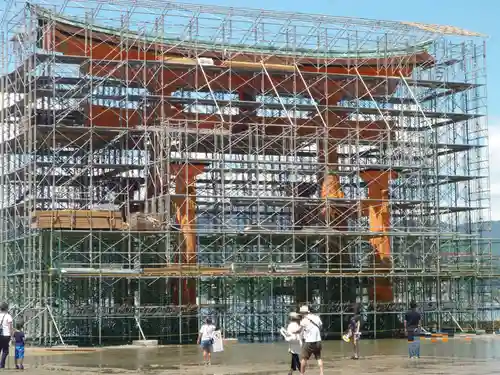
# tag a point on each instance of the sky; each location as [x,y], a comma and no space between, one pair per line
[480,17]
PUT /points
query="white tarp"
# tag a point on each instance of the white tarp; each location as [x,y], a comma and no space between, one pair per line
[218,343]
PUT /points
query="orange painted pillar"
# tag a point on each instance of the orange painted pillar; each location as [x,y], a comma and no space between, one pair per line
[185,178]
[380,222]
[330,180]
[331,188]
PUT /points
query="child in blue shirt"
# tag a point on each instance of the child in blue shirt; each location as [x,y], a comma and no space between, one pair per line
[19,343]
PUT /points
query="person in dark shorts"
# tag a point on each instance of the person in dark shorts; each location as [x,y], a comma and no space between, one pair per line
[6,331]
[412,330]
[19,338]
[311,332]
[354,332]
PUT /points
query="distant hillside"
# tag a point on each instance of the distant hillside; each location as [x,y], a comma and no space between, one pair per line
[494,234]
[495,229]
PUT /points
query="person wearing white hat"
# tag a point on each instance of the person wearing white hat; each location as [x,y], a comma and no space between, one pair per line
[311,333]
[294,341]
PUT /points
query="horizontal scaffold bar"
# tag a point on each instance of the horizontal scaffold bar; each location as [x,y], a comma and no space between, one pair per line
[188,271]
[307,231]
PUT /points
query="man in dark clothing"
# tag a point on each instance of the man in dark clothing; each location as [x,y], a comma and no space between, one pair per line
[412,330]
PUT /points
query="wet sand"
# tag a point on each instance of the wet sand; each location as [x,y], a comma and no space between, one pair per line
[481,355]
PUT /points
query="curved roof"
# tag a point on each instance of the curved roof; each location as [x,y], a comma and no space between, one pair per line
[211,46]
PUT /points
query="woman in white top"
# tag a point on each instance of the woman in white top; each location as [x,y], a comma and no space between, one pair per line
[6,332]
[206,340]
[294,341]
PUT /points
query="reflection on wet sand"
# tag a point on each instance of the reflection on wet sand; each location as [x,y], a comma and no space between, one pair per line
[478,356]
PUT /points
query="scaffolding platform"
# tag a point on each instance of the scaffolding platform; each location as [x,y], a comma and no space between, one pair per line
[77,219]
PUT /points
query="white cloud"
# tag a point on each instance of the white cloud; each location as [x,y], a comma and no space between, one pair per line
[494,156]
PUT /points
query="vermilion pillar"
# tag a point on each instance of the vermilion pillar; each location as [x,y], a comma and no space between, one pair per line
[380,222]
[185,179]
[330,181]
[331,188]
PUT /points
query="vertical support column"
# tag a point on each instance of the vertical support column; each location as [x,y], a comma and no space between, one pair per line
[328,157]
[186,207]
[335,215]
[185,189]
[330,187]
[378,210]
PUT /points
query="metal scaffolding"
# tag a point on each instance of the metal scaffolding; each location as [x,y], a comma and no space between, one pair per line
[162,162]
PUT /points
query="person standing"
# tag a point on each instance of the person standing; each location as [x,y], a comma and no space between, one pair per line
[310,326]
[206,340]
[354,333]
[294,341]
[412,330]
[19,338]
[6,332]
